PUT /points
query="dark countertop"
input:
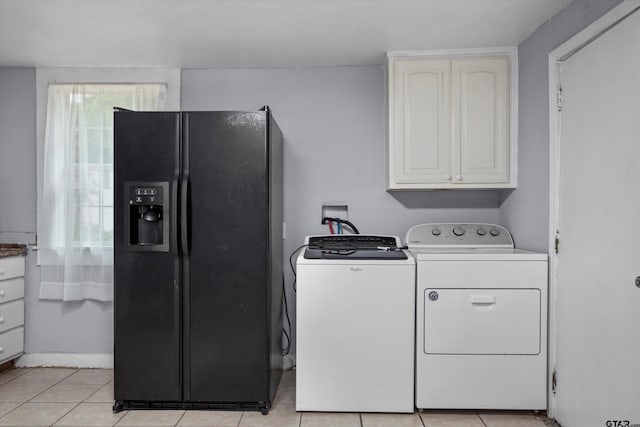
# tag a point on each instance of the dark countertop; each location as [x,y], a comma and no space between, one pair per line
[12,249]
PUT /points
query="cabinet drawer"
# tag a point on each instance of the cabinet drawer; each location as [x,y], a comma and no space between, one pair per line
[11,315]
[11,289]
[11,267]
[11,344]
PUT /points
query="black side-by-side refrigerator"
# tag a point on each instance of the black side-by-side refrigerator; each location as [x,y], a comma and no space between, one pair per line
[198,259]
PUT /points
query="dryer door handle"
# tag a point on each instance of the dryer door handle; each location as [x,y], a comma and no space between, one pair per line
[482,299]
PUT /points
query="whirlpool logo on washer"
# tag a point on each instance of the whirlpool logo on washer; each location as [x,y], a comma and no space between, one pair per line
[433,296]
[355,269]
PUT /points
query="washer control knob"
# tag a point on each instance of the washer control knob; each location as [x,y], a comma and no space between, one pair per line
[436,231]
[481,231]
[494,231]
[458,231]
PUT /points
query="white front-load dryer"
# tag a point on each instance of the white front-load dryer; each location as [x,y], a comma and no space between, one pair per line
[481,319]
[355,326]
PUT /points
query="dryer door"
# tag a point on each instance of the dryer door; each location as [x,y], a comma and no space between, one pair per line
[482,321]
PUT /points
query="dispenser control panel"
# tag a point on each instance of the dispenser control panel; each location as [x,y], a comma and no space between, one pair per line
[147,195]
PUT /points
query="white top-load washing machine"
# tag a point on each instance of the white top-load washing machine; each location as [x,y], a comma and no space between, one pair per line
[481,319]
[355,325]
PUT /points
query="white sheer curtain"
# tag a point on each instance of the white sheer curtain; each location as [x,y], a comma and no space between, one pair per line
[76,237]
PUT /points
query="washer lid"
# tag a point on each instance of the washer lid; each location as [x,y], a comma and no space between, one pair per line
[458,235]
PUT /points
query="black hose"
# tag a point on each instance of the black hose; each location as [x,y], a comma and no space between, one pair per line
[341,221]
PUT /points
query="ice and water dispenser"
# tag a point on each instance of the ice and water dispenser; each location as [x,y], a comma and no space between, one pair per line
[147,216]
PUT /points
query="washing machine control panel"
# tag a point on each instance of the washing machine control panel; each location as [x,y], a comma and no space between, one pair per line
[460,235]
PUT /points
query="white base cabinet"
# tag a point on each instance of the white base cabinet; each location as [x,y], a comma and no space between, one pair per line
[452,120]
[11,307]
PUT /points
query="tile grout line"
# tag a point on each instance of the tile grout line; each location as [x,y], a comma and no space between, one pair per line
[65,414]
[481,419]
[82,401]
[62,379]
[27,370]
[19,403]
[360,418]
[121,418]
[184,412]
[99,388]
[420,418]
[38,394]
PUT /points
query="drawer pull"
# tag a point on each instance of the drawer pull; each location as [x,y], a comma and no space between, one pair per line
[2,319]
[482,299]
[1,349]
[2,293]
[2,271]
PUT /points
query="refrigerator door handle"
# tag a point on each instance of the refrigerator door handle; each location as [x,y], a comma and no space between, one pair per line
[185,231]
[185,199]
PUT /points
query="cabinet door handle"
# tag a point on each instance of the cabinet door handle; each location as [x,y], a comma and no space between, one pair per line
[2,293]
[2,319]
[447,177]
[2,271]
[458,177]
[1,349]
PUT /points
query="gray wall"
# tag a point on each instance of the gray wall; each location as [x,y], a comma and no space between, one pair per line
[49,326]
[333,120]
[17,155]
[525,211]
[334,123]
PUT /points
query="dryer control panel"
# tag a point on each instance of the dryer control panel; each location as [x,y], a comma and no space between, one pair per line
[460,235]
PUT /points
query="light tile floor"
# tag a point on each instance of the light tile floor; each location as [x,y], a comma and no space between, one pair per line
[84,398]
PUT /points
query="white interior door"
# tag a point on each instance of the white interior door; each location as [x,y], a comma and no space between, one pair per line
[597,340]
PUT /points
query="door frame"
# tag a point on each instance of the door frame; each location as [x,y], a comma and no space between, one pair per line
[556,59]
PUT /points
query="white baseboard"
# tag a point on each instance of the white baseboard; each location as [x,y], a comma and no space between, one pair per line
[65,360]
[84,360]
[289,362]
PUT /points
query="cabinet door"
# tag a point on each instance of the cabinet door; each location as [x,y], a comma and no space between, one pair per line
[480,104]
[420,122]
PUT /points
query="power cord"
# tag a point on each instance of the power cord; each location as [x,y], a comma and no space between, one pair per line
[287,333]
[295,275]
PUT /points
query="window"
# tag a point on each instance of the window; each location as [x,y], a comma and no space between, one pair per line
[76,233]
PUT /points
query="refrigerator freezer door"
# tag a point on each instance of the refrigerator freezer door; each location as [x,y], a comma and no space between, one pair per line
[147,292]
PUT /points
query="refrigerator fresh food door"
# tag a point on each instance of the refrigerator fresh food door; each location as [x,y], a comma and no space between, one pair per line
[226,322]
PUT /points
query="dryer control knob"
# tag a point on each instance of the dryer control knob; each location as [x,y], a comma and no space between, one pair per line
[482,231]
[436,231]
[458,231]
[494,231]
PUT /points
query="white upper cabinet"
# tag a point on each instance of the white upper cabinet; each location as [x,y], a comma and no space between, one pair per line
[452,120]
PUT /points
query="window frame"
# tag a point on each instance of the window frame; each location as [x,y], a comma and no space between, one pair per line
[45,76]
